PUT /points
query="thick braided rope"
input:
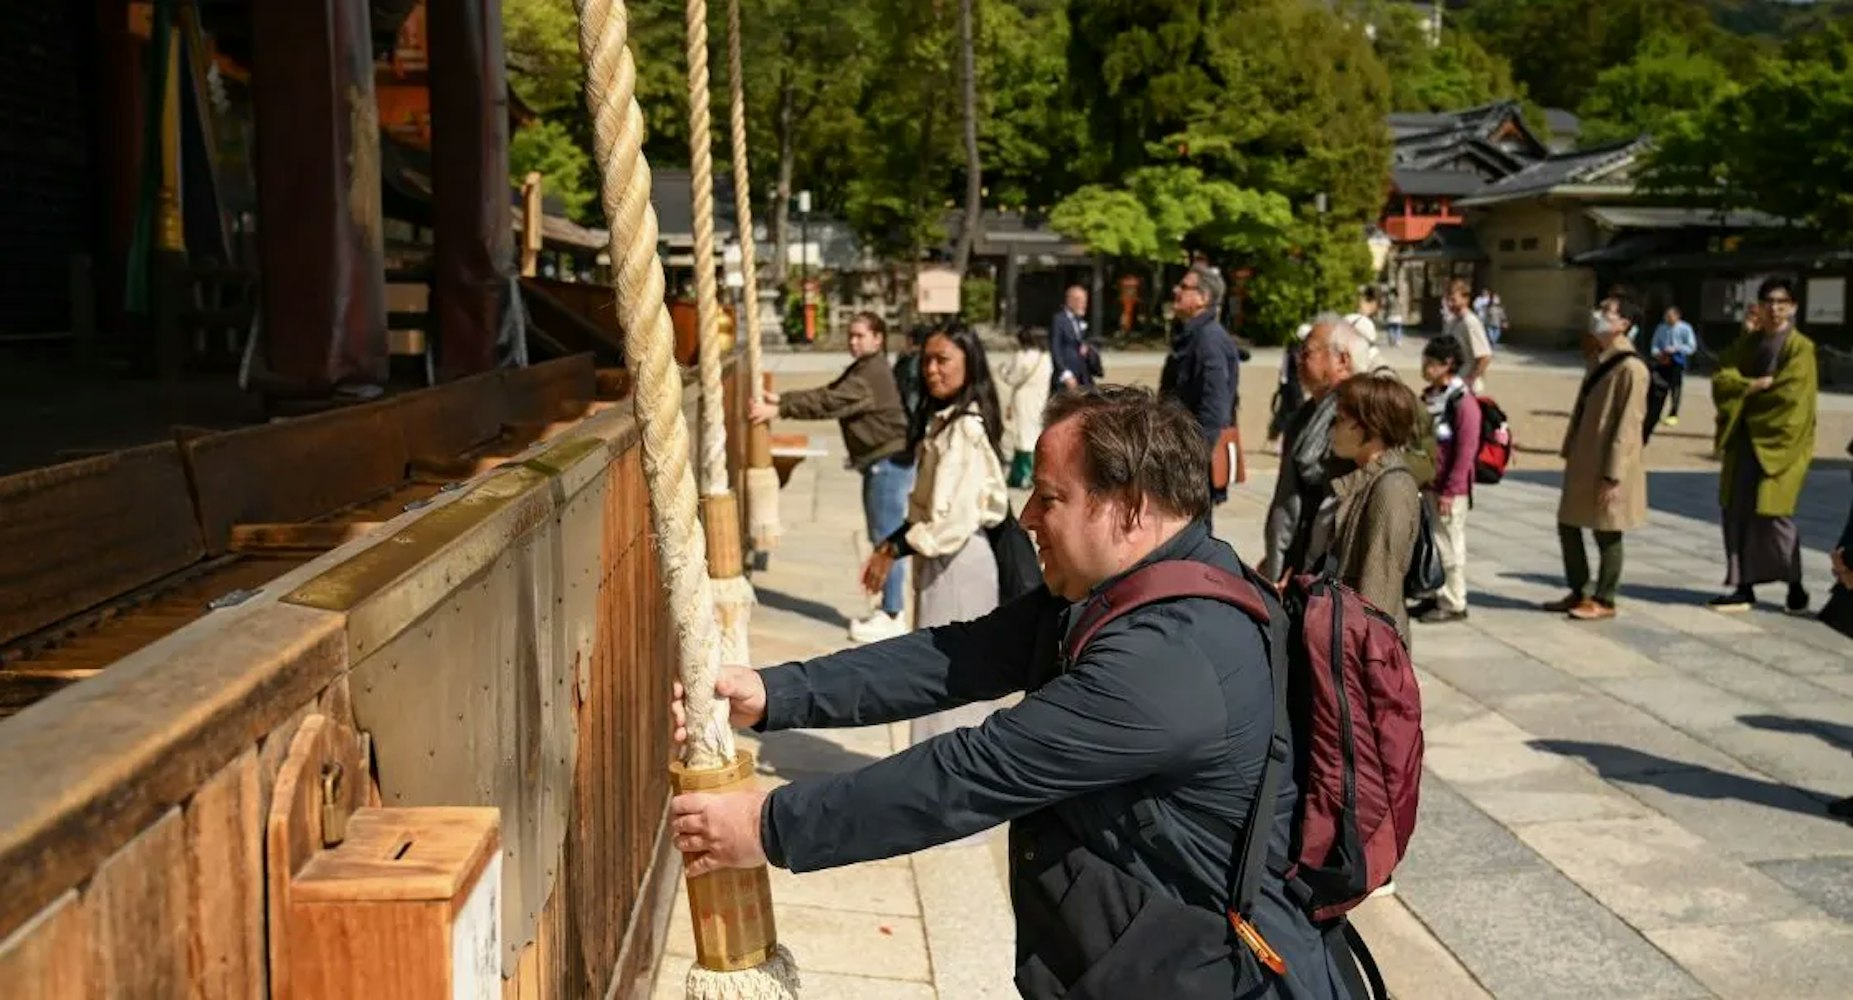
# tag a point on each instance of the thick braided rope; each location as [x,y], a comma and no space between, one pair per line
[707,302]
[743,205]
[617,133]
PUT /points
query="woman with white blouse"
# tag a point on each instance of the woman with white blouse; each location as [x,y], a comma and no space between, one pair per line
[958,493]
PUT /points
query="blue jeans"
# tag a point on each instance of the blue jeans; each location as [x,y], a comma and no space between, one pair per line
[885,486]
[1493,333]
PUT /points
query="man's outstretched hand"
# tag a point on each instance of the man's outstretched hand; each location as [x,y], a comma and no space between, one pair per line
[717,830]
[720,830]
[746,701]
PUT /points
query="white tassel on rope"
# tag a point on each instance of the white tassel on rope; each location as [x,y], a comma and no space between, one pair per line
[611,86]
[762,505]
[774,979]
[733,608]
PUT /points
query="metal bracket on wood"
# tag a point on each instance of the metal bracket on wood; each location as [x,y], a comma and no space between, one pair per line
[231,600]
[416,505]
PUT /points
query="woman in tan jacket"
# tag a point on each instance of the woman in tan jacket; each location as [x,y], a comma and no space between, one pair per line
[1604,477]
[1365,535]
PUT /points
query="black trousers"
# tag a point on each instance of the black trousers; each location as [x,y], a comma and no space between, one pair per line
[1675,376]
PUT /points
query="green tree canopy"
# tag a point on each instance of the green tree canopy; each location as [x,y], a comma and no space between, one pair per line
[1558,48]
[1665,78]
[1782,143]
[1424,76]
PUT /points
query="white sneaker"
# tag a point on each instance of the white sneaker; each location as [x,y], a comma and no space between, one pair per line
[877,627]
[1386,889]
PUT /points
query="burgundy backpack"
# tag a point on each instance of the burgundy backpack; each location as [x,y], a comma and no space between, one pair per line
[1343,678]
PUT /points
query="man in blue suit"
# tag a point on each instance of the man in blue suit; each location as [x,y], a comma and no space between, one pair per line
[1068,347]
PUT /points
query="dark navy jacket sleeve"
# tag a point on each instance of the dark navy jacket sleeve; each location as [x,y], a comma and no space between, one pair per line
[1216,363]
[1142,700]
[1065,349]
[912,675]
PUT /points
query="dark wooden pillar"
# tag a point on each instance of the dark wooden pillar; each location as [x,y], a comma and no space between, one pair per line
[318,193]
[469,180]
[117,63]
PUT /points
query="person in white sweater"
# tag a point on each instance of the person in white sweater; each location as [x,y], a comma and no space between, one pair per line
[1025,378]
[958,494]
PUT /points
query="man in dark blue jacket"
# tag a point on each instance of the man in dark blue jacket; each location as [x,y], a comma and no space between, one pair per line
[1068,346]
[1127,775]
[1202,371]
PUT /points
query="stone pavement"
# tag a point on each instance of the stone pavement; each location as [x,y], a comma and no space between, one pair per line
[1627,809]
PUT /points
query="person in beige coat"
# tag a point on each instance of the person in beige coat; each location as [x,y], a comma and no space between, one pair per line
[1604,476]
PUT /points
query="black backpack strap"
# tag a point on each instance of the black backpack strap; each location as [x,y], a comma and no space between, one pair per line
[1356,966]
[1252,853]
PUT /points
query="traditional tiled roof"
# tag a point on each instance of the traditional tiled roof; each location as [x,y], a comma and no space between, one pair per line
[1583,168]
[1436,183]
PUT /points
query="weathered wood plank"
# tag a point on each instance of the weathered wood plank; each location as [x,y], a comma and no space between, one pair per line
[90,768]
[296,470]
[450,419]
[48,959]
[551,390]
[225,861]
[313,536]
[137,904]
[77,534]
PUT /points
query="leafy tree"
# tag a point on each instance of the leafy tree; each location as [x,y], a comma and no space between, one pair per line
[1779,144]
[1557,48]
[968,113]
[1666,77]
[542,41]
[1030,131]
[1138,67]
[549,147]
[1109,221]
[1425,76]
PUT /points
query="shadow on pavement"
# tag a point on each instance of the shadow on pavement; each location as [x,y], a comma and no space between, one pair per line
[816,611]
[1627,766]
[794,754]
[1832,733]
[1500,602]
[1650,593]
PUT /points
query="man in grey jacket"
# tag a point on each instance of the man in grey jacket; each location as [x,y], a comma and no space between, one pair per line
[1127,774]
[1327,358]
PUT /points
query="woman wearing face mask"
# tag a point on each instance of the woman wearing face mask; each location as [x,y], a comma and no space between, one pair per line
[958,493]
[1366,536]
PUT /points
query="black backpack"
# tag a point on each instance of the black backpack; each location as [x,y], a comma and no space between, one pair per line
[1657,392]
[1019,571]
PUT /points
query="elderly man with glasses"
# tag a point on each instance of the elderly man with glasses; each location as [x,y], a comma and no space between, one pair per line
[1766,390]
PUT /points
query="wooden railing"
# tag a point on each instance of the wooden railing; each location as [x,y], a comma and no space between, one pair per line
[505,645]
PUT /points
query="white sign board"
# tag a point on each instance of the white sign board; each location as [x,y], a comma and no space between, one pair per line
[1827,301]
[938,291]
[476,938]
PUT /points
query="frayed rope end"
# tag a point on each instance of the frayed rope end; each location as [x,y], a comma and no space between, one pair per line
[774,979]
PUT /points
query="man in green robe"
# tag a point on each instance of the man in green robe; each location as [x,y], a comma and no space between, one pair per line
[1765,390]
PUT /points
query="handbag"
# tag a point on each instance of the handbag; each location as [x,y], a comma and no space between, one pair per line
[1228,465]
[1019,569]
[1426,575]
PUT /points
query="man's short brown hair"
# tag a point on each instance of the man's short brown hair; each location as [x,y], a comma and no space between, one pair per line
[1461,287]
[1383,408]
[1135,445]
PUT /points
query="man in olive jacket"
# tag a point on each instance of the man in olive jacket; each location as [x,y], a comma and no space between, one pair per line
[865,402]
[1127,775]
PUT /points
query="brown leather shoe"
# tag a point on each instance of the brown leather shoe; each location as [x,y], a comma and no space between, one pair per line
[1592,611]
[1564,604]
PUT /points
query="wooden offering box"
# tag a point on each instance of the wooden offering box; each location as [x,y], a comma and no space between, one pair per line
[408,905]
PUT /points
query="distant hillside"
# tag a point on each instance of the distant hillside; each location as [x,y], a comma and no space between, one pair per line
[1772,17]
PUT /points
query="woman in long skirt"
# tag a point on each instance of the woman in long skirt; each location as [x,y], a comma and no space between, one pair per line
[958,494]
